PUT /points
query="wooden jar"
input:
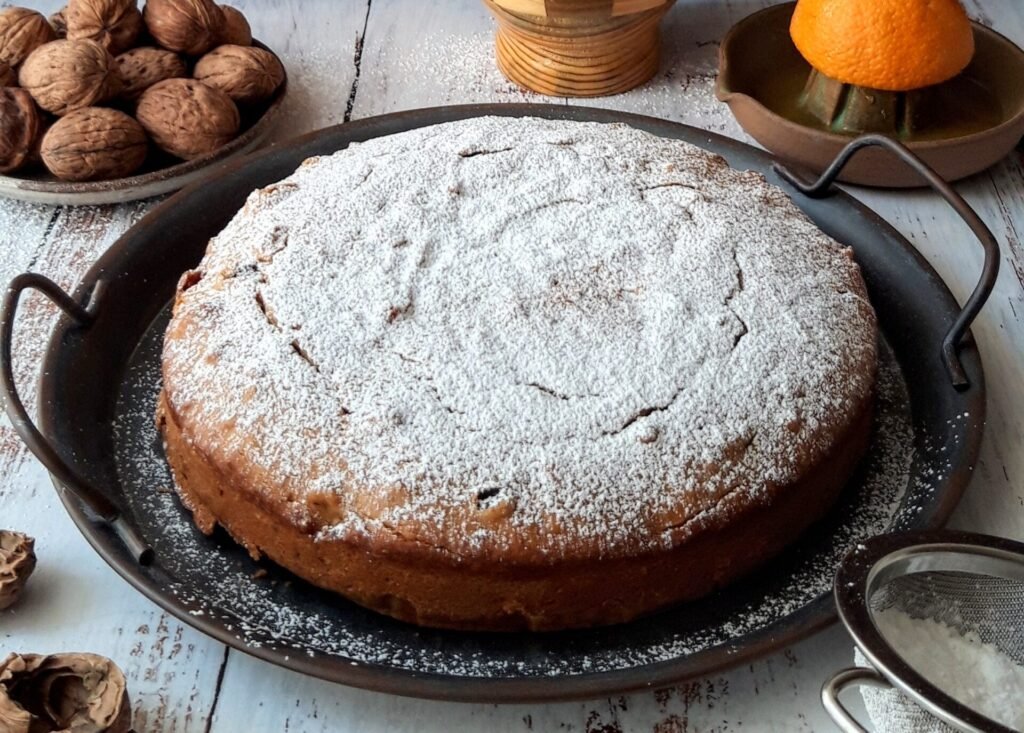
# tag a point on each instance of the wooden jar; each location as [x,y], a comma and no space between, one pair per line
[578,48]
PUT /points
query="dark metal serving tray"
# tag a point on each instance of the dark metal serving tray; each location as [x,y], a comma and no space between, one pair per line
[101,373]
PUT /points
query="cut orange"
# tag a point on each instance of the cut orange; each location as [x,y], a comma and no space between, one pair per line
[895,45]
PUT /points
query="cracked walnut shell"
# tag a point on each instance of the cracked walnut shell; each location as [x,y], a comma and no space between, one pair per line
[192,27]
[59,693]
[22,31]
[186,117]
[236,30]
[141,68]
[67,75]
[94,143]
[245,73]
[114,24]
[17,561]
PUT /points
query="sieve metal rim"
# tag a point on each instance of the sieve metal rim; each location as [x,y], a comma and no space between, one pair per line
[876,561]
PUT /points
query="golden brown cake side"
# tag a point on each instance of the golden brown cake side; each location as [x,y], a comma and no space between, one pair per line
[426,586]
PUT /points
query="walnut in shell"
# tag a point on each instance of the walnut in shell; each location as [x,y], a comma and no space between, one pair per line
[58,693]
[192,27]
[17,561]
[236,30]
[245,73]
[20,127]
[22,31]
[7,76]
[67,75]
[94,144]
[114,24]
[141,68]
[59,21]
[187,118]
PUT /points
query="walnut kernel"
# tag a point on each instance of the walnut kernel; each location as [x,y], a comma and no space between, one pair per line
[63,692]
[17,561]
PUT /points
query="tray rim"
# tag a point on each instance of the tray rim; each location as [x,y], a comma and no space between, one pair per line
[796,626]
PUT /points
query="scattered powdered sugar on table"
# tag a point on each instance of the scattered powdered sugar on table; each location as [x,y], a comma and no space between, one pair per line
[977,674]
[455,63]
[499,333]
[447,69]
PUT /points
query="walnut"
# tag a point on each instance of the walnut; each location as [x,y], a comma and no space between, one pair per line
[236,29]
[17,561]
[57,693]
[94,143]
[7,76]
[186,118]
[114,24]
[189,26]
[21,125]
[59,21]
[22,31]
[141,68]
[66,75]
[245,73]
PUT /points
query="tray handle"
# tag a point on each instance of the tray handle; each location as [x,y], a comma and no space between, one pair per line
[67,477]
[839,682]
[954,337]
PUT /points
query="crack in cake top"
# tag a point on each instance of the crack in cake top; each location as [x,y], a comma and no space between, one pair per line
[519,334]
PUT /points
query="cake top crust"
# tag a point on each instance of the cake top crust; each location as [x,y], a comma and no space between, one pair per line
[543,339]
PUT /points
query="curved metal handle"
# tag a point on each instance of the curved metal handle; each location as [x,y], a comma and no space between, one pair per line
[92,498]
[839,682]
[974,304]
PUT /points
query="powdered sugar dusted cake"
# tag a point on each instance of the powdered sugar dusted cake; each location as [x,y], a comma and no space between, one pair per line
[518,373]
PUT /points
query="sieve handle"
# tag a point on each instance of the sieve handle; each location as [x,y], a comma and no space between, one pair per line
[839,682]
[990,269]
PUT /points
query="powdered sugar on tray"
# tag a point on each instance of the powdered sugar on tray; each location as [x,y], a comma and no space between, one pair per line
[214,578]
[503,331]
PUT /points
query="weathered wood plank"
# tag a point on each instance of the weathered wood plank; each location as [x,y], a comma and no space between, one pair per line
[769,695]
[76,602]
[173,671]
[994,502]
[317,40]
[683,90]
[420,54]
[410,54]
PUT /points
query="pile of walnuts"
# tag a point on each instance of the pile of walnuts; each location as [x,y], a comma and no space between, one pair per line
[90,89]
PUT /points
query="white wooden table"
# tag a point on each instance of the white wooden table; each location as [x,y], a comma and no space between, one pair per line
[355,58]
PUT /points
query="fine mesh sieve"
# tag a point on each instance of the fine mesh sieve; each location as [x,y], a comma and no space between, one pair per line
[969,582]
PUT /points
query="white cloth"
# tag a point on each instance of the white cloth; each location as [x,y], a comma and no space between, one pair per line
[893,712]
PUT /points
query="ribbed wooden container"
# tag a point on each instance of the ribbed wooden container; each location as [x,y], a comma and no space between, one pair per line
[578,48]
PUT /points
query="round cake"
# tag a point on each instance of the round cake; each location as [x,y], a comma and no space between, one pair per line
[518,374]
